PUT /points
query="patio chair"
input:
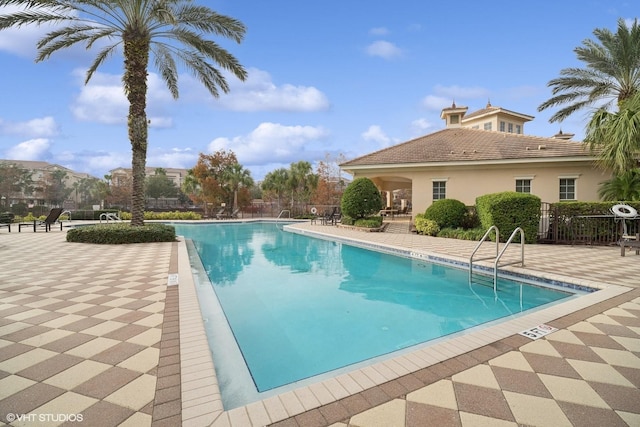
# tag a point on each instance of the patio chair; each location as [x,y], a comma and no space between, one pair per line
[51,219]
[220,214]
[6,218]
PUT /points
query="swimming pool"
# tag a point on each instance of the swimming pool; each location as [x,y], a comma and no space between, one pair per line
[299,306]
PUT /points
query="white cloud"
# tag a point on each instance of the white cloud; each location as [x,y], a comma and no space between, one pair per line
[435,103]
[274,143]
[259,93]
[444,96]
[379,31]
[185,158]
[376,134]
[420,126]
[102,100]
[40,127]
[33,149]
[384,49]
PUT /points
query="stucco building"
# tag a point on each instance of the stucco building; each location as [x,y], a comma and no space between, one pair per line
[480,153]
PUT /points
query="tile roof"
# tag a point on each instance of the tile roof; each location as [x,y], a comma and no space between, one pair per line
[464,144]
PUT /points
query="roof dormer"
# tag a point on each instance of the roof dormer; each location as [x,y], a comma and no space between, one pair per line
[453,115]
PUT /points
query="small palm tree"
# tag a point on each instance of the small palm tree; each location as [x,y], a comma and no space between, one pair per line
[612,72]
[625,186]
[169,30]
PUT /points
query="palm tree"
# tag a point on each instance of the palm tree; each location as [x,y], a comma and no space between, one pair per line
[616,136]
[236,176]
[276,181]
[168,30]
[612,72]
[625,186]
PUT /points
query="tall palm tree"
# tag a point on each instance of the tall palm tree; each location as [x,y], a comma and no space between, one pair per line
[612,72]
[276,181]
[167,30]
[616,136]
[237,176]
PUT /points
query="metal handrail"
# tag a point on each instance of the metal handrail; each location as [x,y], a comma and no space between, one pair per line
[506,245]
[109,216]
[493,227]
[283,211]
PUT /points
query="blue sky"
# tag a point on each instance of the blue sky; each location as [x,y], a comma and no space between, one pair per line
[337,77]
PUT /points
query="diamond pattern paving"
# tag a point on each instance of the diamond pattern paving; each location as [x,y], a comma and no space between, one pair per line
[95,330]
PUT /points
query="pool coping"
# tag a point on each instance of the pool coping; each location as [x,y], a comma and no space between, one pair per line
[201,397]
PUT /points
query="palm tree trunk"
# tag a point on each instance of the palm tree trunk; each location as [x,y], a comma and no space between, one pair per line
[136,54]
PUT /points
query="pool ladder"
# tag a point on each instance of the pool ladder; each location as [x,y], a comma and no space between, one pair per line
[498,253]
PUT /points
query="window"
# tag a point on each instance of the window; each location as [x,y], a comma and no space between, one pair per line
[518,129]
[523,185]
[502,126]
[510,127]
[567,188]
[439,190]
[487,126]
[455,119]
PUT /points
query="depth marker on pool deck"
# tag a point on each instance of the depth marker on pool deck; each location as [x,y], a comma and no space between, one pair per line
[538,331]
[172,280]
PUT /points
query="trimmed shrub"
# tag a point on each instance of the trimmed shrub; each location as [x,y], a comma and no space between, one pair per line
[508,210]
[164,216]
[462,234]
[117,234]
[426,226]
[447,213]
[361,199]
[370,222]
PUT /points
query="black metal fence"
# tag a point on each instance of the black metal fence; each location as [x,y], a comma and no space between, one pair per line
[560,227]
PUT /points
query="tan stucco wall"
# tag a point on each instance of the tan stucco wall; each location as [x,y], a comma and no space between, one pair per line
[467,183]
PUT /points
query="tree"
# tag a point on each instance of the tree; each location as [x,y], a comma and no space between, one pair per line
[612,72]
[625,187]
[237,176]
[141,28]
[330,182]
[275,183]
[616,136]
[52,187]
[160,185]
[13,180]
[361,198]
[302,182]
[209,177]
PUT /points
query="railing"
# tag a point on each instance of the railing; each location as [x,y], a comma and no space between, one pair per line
[506,245]
[109,216]
[282,212]
[498,253]
[492,228]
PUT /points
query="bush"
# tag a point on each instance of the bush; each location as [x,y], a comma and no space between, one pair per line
[508,210]
[370,222]
[426,226]
[116,234]
[361,199]
[462,234]
[164,216]
[447,213]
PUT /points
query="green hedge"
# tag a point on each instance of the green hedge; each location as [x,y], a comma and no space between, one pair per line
[91,215]
[447,213]
[508,210]
[165,216]
[116,234]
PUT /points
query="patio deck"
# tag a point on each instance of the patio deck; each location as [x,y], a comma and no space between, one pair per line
[98,332]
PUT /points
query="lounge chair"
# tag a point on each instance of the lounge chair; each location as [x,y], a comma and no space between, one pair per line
[227,215]
[51,219]
[220,214]
[329,217]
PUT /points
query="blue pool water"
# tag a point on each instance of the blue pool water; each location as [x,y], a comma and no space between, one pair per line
[300,306]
